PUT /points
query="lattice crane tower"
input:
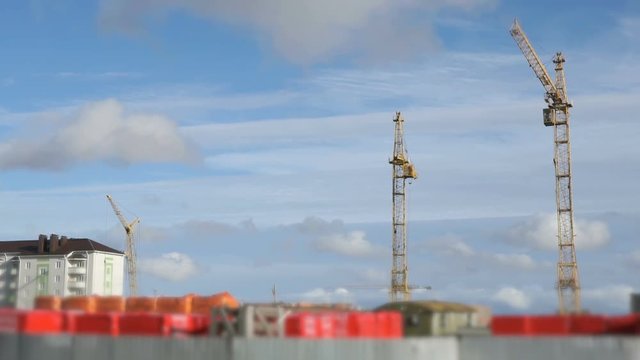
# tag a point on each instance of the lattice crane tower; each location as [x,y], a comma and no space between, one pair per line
[557,115]
[402,170]
[130,253]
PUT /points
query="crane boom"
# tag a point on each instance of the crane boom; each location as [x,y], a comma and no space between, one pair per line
[130,252]
[534,61]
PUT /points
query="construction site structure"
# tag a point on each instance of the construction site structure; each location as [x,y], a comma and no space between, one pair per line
[557,115]
[403,169]
[130,252]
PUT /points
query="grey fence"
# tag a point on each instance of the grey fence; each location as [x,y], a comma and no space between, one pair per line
[63,347]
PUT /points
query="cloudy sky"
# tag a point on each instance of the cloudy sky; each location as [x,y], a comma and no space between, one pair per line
[252,138]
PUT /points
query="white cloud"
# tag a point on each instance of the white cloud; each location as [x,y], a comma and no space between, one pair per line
[540,231]
[522,261]
[317,226]
[513,297]
[6,82]
[612,297]
[452,245]
[102,131]
[173,266]
[306,31]
[326,296]
[109,75]
[352,243]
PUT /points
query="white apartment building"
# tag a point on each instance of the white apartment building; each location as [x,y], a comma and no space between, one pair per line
[57,266]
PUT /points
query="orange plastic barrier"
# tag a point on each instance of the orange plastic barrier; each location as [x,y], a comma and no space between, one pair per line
[174,305]
[142,324]
[81,303]
[110,304]
[204,304]
[140,304]
[31,322]
[48,303]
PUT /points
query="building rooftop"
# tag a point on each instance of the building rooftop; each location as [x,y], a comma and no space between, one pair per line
[429,305]
[45,246]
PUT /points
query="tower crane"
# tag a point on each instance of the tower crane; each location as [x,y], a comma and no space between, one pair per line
[403,169]
[557,115]
[130,252]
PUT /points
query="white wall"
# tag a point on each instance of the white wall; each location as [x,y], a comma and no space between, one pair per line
[95,277]
[99,279]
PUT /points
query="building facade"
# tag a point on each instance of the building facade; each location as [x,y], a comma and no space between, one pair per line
[57,266]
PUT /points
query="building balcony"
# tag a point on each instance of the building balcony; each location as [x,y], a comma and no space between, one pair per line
[77,270]
[13,271]
[76,284]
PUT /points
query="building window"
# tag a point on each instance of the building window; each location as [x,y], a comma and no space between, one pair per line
[58,264]
[40,286]
[56,278]
[43,271]
[27,279]
[27,265]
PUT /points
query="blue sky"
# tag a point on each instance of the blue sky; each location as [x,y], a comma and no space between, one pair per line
[252,139]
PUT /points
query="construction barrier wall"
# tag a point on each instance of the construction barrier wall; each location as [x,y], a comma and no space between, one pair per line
[67,347]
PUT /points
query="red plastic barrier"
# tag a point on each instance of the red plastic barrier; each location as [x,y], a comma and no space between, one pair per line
[388,325]
[142,324]
[361,324]
[303,325]
[623,324]
[186,324]
[101,324]
[550,325]
[396,325]
[341,321]
[510,325]
[31,322]
[382,325]
[531,325]
[588,324]
[326,323]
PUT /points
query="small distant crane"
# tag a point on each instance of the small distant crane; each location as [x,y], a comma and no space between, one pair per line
[381,287]
[130,252]
[402,170]
[557,115]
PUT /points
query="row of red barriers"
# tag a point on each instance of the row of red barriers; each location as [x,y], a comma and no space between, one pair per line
[383,325]
[558,325]
[114,324]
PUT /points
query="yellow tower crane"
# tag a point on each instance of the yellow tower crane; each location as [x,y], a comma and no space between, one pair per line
[130,252]
[402,170]
[557,115]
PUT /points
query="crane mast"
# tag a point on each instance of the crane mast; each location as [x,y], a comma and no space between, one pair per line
[557,115]
[402,170]
[130,252]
